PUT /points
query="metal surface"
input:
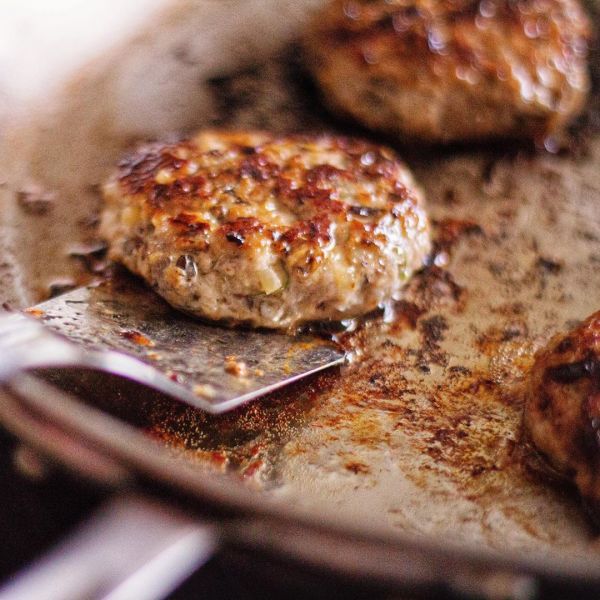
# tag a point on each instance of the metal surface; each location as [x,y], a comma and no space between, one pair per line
[122,327]
[417,444]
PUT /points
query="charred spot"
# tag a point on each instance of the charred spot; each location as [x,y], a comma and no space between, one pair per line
[311,193]
[137,169]
[460,370]
[315,230]
[247,150]
[257,166]
[567,344]
[318,198]
[236,237]
[477,470]
[572,372]
[190,222]
[364,211]
[239,230]
[324,174]
[159,193]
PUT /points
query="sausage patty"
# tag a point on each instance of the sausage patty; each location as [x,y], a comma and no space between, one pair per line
[562,413]
[445,70]
[253,229]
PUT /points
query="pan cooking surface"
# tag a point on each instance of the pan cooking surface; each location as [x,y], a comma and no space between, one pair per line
[421,432]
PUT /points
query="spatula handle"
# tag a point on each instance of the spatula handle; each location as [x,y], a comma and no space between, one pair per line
[132,547]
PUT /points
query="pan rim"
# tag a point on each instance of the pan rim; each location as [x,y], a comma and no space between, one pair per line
[138,454]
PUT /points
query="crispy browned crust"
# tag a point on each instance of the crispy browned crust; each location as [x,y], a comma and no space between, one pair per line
[562,413]
[299,204]
[453,70]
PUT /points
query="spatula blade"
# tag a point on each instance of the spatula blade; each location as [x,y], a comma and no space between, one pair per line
[212,368]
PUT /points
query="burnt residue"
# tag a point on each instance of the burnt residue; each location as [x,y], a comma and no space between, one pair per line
[407,313]
[547,265]
[435,287]
[238,441]
[449,231]
[137,338]
[433,330]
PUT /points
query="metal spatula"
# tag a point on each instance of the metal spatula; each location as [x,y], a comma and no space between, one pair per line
[124,328]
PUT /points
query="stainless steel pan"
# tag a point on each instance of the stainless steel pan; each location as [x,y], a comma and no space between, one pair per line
[406,465]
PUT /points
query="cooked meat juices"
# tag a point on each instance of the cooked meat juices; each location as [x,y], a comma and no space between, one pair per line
[446,70]
[562,414]
[252,229]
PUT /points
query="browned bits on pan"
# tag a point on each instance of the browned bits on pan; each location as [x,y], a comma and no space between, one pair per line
[449,231]
[358,468]
[137,338]
[236,367]
[548,265]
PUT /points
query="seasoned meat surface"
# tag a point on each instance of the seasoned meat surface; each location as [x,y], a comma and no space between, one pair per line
[562,414]
[253,229]
[447,70]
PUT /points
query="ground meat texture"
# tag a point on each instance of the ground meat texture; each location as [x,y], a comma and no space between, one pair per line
[453,70]
[562,413]
[264,231]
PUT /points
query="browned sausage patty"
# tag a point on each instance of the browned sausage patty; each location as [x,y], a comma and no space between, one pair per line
[562,414]
[444,70]
[267,231]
